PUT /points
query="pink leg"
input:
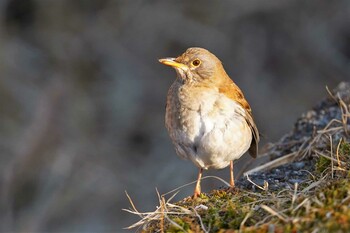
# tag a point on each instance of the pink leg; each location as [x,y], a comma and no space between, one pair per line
[232,179]
[197,190]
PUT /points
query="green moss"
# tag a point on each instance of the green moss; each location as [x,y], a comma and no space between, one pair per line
[325,207]
[182,222]
[344,149]
[344,154]
[334,215]
[322,164]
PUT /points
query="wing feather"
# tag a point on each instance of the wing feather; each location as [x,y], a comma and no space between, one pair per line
[233,92]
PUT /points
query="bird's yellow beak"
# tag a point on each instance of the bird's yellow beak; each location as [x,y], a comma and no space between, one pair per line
[171,62]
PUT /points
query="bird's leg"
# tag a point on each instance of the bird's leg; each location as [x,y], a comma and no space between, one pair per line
[232,178]
[197,189]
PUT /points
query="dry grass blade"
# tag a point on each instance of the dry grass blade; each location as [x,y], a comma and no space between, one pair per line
[345,115]
[182,209]
[274,213]
[200,221]
[300,205]
[294,194]
[332,164]
[217,178]
[162,210]
[333,129]
[180,187]
[160,214]
[274,163]
[313,185]
[327,129]
[262,188]
[171,197]
[244,221]
[345,200]
[337,152]
[175,224]
[165,208]
[344,110]
[132,205]
[328,157]
[331,94]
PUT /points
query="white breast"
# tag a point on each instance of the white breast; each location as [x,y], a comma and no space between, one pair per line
[212,131]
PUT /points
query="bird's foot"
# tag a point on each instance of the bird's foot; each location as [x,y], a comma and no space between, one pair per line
[232,189]
[197,193]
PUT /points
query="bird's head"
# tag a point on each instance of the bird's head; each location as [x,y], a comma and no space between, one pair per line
[196,65]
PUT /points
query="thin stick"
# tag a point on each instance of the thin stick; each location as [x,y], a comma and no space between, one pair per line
[274,213]
[294,194]
[300,205]
[262,188]
[314,184]
[200,220]
[241,226]
[338,151]
[274,163]
[175,224]
[326,156]
[132,204]
[332,166]
[162,210]
[325,129]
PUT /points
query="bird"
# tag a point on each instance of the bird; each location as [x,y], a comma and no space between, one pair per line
[207,116]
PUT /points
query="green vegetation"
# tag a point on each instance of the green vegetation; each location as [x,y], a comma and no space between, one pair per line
[321,203]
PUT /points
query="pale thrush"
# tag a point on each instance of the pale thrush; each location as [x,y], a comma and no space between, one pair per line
[207,117]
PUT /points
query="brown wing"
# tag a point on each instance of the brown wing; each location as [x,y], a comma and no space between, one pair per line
[253,149]
[233,92]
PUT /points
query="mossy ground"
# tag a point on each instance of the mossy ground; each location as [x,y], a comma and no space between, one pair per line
[318,202]
[321,203]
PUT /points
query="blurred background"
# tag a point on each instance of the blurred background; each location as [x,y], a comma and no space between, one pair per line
[82,95]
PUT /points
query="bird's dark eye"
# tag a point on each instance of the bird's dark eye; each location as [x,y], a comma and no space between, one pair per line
[196,62]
